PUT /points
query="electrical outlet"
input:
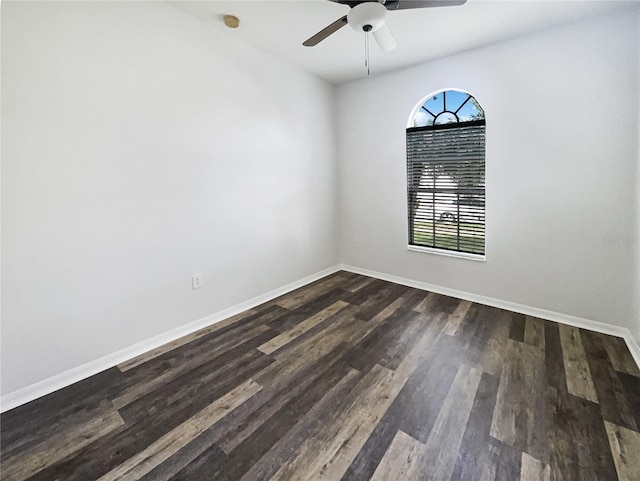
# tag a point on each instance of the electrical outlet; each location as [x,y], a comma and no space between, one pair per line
[196,281]
[356,243]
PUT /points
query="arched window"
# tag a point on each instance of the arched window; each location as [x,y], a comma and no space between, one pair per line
[445,174]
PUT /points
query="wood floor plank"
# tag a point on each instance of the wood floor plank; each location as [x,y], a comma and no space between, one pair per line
[247,433]
[518,324]
[179,437]
[415,409]
[441,449]
[534,332]
[619,354]
[519,418]
[378,300]
[434,302]
[534,469]
[578,374]
[324,412]
[405,302]
[287,336]
[184,394]
[308,293]
[494,351]
[631,385]
[44,417]
[326,455]
[56,427]
[411,298]
[316,402]
[577,436]
[358,283]
[366,292]
[423,306]
[614,405]
[49,451]
[181,359]
[199,469]
[554,364]
[292,317]
[423,404]
[190,455]
[442,303]
[154,353]
[480,325]
[106,453]
[197,358]
[349,378]
[455,319]
[402,461]
[281,395]
[291,360]
[390,341]
[503,425]
[504,462]
[474,455]
[625,447]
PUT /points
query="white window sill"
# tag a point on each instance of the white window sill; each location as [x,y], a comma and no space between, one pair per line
[442,252]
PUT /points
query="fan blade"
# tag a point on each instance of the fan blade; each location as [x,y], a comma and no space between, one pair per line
[325,32]
[408,4]
[351,3]
[385,39]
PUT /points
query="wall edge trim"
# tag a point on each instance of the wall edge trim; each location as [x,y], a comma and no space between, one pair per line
[567,319]
[66,378]
[83,371]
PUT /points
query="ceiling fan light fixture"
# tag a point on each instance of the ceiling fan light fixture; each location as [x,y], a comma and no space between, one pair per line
[368,16]
[385,38]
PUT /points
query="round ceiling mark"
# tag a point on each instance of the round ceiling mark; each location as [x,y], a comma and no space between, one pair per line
[231,21]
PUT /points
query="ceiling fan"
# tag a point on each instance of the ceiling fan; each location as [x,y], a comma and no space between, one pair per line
[370,15]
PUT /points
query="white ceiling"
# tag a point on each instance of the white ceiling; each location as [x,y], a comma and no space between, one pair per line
[279,27]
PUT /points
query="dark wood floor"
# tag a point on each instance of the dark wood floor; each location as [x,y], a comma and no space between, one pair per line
[348,378]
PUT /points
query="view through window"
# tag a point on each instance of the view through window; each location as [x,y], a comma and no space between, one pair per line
[446,174]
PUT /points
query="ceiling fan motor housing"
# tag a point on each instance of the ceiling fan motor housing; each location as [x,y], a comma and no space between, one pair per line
[367,16]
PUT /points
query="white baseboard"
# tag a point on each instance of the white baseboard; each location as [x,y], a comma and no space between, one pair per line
[601,327]
[59,381]
[633,346]
[47,386]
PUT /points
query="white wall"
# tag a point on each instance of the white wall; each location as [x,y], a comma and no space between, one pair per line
[126,169]
[141,146]
[562,170]
[637,236]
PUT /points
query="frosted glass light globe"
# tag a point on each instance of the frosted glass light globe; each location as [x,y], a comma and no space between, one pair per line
[368,13]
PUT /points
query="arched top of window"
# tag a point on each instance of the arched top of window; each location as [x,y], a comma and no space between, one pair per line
[446,107]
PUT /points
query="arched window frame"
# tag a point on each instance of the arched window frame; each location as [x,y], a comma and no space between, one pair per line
[445,176]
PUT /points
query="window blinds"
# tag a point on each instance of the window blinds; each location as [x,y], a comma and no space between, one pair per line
[446,186]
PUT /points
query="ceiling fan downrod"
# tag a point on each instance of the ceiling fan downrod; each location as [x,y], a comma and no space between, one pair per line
[366,48]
